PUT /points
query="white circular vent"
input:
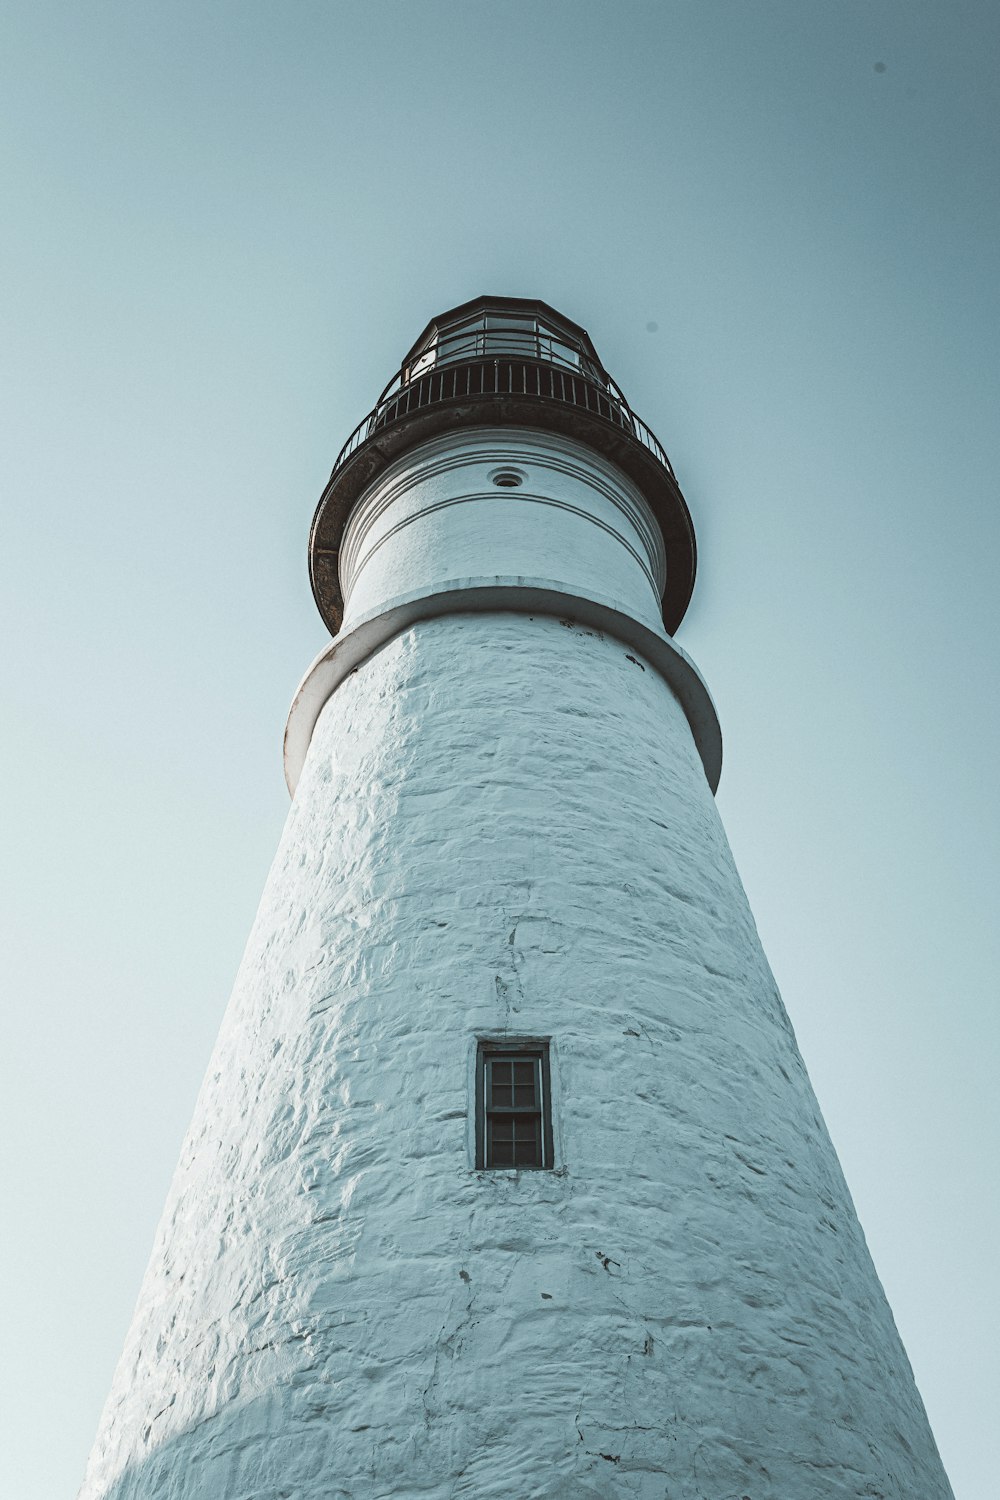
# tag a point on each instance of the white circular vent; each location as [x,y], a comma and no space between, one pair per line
[507,479]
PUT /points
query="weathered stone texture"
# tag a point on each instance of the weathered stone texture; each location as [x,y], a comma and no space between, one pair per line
[503,825]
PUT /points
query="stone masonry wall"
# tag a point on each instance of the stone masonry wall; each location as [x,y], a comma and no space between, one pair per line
[503,827]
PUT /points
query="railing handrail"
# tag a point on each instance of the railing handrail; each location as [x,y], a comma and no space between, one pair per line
[414,392]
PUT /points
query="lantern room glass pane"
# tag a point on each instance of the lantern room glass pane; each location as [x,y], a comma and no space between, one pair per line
[497,333]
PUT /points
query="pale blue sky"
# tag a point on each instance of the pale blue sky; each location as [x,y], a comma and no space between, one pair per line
[223,224]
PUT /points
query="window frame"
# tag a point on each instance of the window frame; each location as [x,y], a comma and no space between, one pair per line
[516,1049]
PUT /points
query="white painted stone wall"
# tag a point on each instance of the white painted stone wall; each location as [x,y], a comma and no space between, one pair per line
[503,827]
[436,514]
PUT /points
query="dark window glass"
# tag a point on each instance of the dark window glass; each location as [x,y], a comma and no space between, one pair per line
[513,1117]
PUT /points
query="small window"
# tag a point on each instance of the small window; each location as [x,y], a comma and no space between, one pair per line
[513,1114]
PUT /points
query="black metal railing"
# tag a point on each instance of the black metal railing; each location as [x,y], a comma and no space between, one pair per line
[539,378]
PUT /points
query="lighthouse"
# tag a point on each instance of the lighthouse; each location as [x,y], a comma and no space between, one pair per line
[506,1178]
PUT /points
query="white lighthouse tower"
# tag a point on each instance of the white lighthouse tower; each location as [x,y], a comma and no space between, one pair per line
[506,1178]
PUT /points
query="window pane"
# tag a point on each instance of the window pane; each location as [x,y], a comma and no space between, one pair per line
[526,1153]
[460,341]
[502,341]
[507,320]
[524,1095]
[503,1128]
[503,1154]
[562,353]
[501,1090]
[507,334]
[524,1072]
[465,347]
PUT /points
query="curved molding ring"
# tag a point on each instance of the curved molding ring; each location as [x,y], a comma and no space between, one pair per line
[534,596]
